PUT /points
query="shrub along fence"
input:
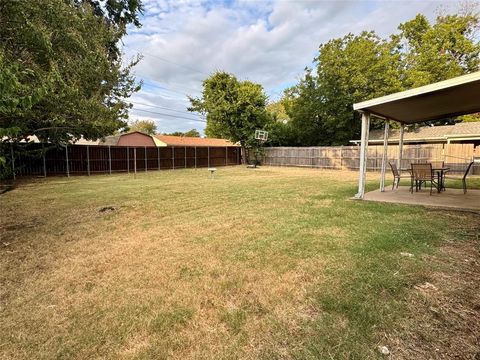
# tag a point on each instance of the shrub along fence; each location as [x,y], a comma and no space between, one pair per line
[455,156]
[99,159]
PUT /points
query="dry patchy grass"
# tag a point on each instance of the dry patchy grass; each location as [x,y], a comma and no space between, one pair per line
[266,263]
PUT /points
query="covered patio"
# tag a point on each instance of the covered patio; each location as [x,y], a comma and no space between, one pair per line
[449,98]
[450,199]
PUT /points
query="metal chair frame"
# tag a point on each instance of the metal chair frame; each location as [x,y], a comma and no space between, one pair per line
[422,173]
[463,178]
[396,175]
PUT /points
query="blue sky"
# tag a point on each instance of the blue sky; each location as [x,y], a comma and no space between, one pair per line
[269,42]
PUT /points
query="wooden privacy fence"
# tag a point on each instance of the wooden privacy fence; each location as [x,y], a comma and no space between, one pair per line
[95,159]
[455,156]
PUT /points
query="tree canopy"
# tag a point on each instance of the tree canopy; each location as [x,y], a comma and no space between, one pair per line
[189,133]
[277,109]
[145,126]
[234,109]
[355,68]
[61,71]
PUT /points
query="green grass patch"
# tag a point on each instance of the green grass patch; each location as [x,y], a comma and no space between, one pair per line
[253,263]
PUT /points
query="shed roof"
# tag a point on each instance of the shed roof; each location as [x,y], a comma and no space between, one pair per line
[170,140]
[453,97]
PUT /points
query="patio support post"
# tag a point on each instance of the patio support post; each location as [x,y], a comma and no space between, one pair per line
[208,155]
[384,157]
[158,157]
[400,147]
[226,155]
[185,157]
[128,160]
[363,155]
[173,158]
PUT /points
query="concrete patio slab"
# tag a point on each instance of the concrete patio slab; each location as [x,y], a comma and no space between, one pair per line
[453,199]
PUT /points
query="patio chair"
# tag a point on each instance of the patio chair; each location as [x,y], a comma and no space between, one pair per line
[422,173]
[463,178]
[396,175]
[437,164]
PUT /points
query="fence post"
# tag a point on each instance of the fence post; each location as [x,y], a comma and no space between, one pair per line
[135,162]
[13,161]
[44,162]
[208,152]
[66,159]
[158,157]
[195,157]
[128,160]
[146,163]
[173,157]
[185,157]
[88,160]
[109,160]
[341,157]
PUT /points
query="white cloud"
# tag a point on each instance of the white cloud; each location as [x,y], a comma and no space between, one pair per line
[269,42]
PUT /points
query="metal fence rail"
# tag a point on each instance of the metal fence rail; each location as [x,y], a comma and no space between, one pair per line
[89,159]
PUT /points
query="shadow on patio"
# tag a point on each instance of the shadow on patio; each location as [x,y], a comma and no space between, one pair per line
[449,199]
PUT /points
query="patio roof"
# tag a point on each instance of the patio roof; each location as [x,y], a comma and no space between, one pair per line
[453,97]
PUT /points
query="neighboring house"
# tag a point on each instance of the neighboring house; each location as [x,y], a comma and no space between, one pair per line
[107,140]
[467,132]
[168,140]
[137,138]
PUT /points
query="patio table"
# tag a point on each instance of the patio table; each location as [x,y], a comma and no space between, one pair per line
[440,172]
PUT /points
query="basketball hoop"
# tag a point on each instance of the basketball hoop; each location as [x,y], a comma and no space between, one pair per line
[261,135]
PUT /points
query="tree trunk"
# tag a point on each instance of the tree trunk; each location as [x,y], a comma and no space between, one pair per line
[244,154]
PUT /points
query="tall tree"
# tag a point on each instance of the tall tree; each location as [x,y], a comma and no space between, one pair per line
[62,70]
[145,126]
[234,109]
[358,68]
[349,69]
[277,110]
[437,52]
[192,133]
[189,133]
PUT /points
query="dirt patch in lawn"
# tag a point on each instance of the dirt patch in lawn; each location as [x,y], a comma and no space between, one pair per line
[444,310]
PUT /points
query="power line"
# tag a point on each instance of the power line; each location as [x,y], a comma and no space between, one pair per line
[168,61]
[169,86]
[164,88]
[163,108]
[170,115]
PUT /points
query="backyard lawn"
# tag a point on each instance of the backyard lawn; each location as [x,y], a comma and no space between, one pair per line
[268,263]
